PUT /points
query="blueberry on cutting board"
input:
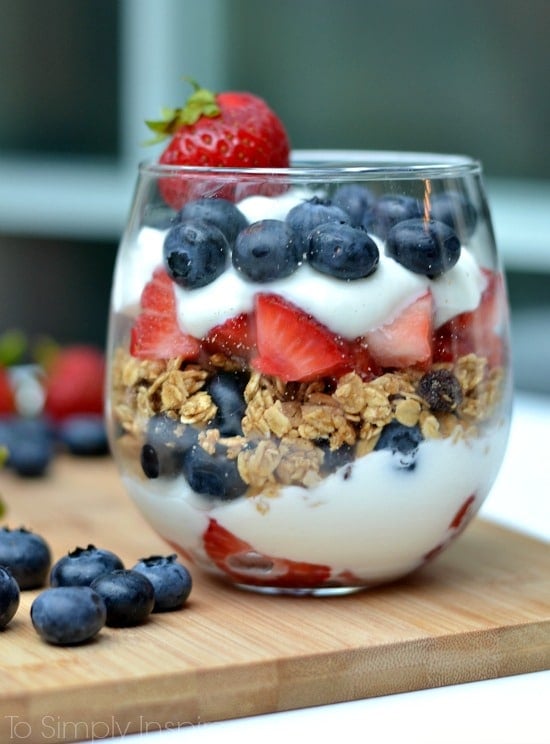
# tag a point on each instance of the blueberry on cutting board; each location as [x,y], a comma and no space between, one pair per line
[68,615]
[129,597]
[27,555]
[9,596]
[81,566]
[171,581]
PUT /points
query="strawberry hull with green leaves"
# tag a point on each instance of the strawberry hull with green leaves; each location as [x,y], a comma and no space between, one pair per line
[231,129]
[308,379]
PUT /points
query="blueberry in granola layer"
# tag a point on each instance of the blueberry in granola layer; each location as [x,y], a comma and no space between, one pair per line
[226,390]
[333,459]
[225,215]
[342,251]
[166,442]
[267,250]
[195,253]
[213,474]
[403,441]
[423,246]
[441,390]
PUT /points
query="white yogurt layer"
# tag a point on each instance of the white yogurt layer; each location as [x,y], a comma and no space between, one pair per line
[348,308]
[375,520]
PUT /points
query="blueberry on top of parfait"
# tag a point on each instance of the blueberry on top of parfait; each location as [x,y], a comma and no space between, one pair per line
[307,215]
[195,253]
[267,250]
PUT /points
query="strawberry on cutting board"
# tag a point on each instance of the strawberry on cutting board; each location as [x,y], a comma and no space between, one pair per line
[7,398]
[74,382]
[156,333]
[407,340]
[292,345]
[228,129]
[245,564]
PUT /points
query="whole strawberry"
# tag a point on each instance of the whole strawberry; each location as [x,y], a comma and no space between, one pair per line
[75,382]
[7,398]
[229,129]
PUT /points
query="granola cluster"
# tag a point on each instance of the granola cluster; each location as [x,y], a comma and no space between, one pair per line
[289,429]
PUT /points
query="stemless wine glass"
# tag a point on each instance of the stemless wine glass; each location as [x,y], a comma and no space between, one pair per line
[309,380]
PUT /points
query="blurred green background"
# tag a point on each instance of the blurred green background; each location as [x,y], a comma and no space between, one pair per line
[80,76]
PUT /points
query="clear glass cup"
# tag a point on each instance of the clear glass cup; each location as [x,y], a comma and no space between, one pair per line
[309,385]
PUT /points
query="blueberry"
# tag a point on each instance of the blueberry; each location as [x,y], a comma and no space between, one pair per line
[227,391]
[9,596]
[455,210]
[441,390]
[84,435]
[267,250]
[342,251]
[424,246]
[81,566]
[68,615]
[355,200]
[307,215]
[388,210]
[27,555]
[195,253]
[403,441]
[30,445]
[171,581]
[334,459]
[225,215]
[167,440]
[213,475]
[129,597]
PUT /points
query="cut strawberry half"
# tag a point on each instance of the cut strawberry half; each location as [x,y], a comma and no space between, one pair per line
[406,341]
[246,565]
[475,331]
[236,337]
[294,346]
[156,333]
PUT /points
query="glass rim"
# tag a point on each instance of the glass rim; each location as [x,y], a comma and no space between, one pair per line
[344,164]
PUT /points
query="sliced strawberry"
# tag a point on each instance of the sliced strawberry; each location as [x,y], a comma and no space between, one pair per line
[243,563]
[475,331]
[292,345]
[406,341]
[359,359]
[460,518]
[458,524]
[156,333]
[236,337]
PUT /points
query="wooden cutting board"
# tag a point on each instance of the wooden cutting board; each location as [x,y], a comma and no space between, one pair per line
[482,610]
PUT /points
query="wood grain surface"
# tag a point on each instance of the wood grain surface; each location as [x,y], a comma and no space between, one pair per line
[482,610]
